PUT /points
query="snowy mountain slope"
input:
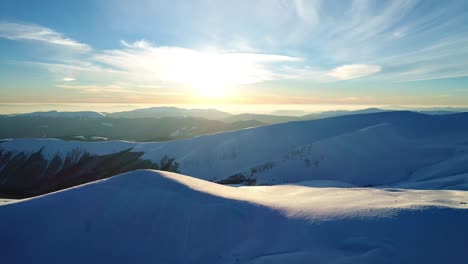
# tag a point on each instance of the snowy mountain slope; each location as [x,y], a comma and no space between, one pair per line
[285,112]
[158,217]
[267,119]
[54,147]
[225,154]
[364,150]
[371,156]
[27,176]
[439,112]
[335,113]
[200,155]
[78,114]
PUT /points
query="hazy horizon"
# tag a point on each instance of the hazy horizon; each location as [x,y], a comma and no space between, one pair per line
[20,108]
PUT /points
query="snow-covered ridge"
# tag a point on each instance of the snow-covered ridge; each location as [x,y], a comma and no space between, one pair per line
[365,150]
[161,217]
[51,147]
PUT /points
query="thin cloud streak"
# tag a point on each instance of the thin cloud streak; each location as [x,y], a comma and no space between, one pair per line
[31,32]
[353,71]
[118,88]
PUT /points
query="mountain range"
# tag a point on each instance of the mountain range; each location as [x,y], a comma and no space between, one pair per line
[400,148]
[151,124]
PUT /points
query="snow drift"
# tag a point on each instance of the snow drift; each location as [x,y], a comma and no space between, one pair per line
[161,217]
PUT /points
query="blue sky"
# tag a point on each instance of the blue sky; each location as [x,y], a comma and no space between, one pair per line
[403,52]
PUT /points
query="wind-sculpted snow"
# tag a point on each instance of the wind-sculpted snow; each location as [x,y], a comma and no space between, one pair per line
[160,217]
[380,149]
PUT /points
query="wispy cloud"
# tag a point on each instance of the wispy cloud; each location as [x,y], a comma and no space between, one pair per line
[31,32]
[445,59]
[353,71]
[308,10]
[150,65]
[189,66]
[126,92]
[107,88]
[311,42]
[410,39]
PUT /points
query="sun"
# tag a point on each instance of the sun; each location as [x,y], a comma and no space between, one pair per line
[210,91]
[211,76]
[212,86]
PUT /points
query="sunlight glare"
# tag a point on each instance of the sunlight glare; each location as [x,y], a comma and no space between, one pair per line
[213,75]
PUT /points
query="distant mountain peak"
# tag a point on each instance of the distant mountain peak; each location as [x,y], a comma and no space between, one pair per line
[55,113]
[171,111]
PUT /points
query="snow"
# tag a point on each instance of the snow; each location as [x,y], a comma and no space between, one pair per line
[368,149]
[98,138]
[107,124]
[6,201]
[459,182]
[389,148]
[372,156]
[316,210]
[160,217]
[183,131]
[52,147]
[176,133]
